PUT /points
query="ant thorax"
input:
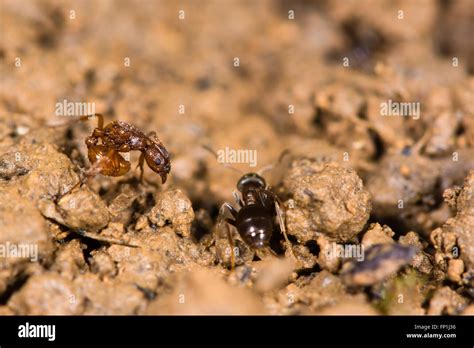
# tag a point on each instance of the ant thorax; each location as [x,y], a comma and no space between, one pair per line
[249,196]
[121,133]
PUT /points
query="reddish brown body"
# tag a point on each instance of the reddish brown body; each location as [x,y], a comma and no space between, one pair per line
[121,137]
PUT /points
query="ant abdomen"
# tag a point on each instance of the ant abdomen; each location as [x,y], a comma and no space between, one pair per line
[255,226]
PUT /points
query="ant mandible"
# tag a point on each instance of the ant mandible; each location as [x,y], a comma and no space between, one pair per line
[120,136]
[254,220]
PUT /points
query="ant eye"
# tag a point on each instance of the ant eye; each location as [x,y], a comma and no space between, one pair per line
[157,161]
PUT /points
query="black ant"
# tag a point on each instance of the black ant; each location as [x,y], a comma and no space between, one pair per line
[254,220]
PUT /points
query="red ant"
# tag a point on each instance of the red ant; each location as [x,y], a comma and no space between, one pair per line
[105,157]
[120,136]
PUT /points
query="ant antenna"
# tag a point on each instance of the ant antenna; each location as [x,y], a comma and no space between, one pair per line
[76,120]
[226,165]
[265,169]
[418,146]
[273,165]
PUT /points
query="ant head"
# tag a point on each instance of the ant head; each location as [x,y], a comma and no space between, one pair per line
[158,160]
[91,141]
[251,179]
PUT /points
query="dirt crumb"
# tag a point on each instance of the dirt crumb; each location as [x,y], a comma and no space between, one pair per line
[203,292]
[377,234]
[327,199]
[446,301]
[79,210]
[273,273]
[455,239]
[175,208]
[35,296]
[129,299]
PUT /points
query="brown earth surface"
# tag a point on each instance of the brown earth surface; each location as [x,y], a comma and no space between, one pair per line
[379,209]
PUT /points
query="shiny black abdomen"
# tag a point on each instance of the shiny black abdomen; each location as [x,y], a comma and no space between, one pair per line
[255,225]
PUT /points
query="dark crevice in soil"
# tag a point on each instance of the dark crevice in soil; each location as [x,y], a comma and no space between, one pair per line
[317,118]
[277,241]
[437,195]
[313,247]
[379,146]
[209,205]
[363,42]
[149,294]
[362,113]
[200,228]
[308,271]
[13,287]
[91,245]
[449,36]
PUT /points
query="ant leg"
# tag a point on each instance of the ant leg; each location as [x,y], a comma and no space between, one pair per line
[89,173]
[231,245]
[223,222]
[119,166]
[262,198]
[140,165]
[237,198]
[97,133]
[100,120]
[283,228]
[265,252]
[281,221]
[231,209]
[79,183]
[272,195]
[268,193]
[109,161]
[231,222]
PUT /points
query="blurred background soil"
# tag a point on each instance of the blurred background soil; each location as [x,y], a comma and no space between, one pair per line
[303,76]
